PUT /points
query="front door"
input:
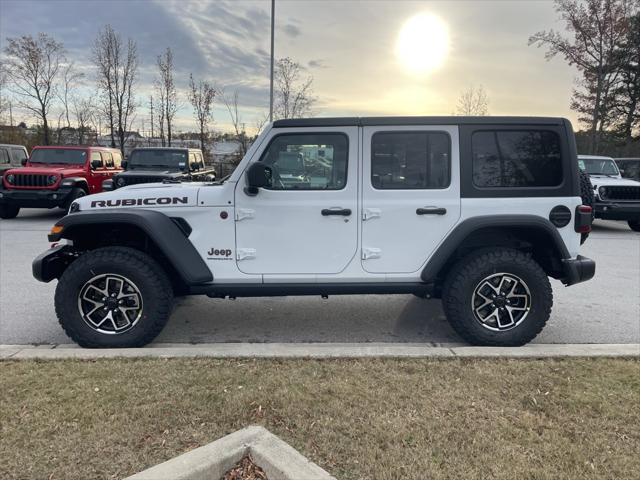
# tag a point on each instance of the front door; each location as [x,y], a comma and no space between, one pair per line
[306,221]
[410,195]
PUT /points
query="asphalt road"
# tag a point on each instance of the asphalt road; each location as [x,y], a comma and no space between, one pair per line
[603,310]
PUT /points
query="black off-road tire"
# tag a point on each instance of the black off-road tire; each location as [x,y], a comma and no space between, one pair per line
[75,194]
[466,275]
[634,225]
[586,193]
[9,211]
[138,267]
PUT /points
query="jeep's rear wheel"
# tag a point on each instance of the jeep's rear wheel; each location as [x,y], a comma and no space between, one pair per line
[497,298]
[9,211]
[634,225]
[113,297]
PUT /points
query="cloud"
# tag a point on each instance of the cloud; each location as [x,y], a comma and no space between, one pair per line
[291,30]
[317,63]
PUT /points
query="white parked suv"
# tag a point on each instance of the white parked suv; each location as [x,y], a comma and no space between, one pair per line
[477,211]
[615,198]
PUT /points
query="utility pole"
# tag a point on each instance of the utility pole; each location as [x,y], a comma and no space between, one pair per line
[151,108]
[10,114]
[273,14]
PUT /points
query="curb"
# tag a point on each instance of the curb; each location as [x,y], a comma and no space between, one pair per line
[278,459]
[319,350]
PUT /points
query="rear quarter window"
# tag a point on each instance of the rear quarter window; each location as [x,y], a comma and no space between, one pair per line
[516,158]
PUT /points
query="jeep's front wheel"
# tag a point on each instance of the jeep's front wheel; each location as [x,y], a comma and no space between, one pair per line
[634,225]
[75,194]
[497,297]
[113,297]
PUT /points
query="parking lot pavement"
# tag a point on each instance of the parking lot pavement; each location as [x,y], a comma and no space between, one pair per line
[603,310]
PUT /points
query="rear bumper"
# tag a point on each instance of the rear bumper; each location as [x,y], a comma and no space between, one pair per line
[35,198]
[579,269]
[610,210]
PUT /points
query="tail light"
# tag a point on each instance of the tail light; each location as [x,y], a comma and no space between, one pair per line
[584,217]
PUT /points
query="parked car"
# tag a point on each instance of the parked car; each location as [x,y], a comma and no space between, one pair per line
[478,211]
[12,156]
[615,198]
[56,176]
[629,167]
[152,165]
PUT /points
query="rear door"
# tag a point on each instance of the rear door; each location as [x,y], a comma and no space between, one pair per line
[306,222]
[410,195]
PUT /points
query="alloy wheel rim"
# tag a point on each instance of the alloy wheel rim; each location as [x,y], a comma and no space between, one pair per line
[501,301]
[110,304]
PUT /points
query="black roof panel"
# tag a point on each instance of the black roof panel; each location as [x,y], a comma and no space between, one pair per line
[450,120]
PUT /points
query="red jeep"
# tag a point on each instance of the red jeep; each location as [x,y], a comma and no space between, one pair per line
[56,176]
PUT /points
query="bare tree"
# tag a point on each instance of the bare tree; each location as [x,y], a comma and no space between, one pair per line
[598,28]
[167,87]
[231,102]
[151,113]
[71,80]
[473,102]
[201,96]
[117,71]
[84,110]
[293,93]
[4,98]
[32,67]
[161,113]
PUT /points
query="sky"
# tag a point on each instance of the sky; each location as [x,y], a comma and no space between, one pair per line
[350,48]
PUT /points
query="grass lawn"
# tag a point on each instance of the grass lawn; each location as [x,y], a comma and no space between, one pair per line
[358,419]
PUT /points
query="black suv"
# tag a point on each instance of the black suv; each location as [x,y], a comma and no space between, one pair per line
[154,165]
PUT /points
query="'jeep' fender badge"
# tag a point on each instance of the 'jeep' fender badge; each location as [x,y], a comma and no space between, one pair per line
[219,254]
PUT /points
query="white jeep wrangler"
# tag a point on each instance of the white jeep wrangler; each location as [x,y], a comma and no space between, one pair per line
[476,211]
[615,198]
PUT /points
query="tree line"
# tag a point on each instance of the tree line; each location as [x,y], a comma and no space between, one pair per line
[44,82]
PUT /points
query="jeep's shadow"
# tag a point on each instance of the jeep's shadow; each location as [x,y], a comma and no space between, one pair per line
[339,319]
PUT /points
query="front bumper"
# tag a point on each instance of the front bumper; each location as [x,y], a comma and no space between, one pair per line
[52,263]
[579,269]
[611,210]
[35,198]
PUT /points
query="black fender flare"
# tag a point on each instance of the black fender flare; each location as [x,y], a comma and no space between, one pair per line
[168,236]
[75,182]
[465,228]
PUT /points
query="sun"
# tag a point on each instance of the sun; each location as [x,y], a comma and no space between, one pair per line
[423,43]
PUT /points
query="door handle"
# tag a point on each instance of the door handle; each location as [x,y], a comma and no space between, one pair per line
[431,211]
[345,212]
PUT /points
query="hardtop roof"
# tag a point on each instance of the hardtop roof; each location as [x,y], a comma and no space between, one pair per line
[415,120]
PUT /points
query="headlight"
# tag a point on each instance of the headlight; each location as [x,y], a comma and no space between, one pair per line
[602,191]
[51,179]
[10,178]
[120,182]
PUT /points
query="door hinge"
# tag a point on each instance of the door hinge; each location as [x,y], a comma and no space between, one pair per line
[242,213]
[369,213]
[245,253]
[369,253]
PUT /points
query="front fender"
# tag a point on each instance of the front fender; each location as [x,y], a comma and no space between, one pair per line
[166,234]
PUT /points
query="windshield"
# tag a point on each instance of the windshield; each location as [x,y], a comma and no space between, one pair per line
[59,155]
[158,158]
[598,166]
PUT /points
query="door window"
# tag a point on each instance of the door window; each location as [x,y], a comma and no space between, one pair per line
[117,159]
[307,161]
[107,158]
[524,158]
[18,155]
[410,160]
[4,156]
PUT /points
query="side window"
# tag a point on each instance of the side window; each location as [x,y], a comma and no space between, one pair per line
[17,155]
[315,161]
[410,160]
[523,158]
[107,158]
[96,156]
[4,156]
[117,159]
[192,159]
[199,158]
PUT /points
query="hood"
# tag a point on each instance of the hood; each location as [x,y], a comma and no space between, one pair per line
[61,171]
[604,181]
[153,196]
[150,173]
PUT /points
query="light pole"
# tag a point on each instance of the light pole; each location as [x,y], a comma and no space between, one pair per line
[273,13]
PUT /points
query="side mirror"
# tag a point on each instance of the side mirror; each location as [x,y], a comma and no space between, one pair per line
[95,164]
[258,175]
[107,185]
[23,162]
[124,164]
